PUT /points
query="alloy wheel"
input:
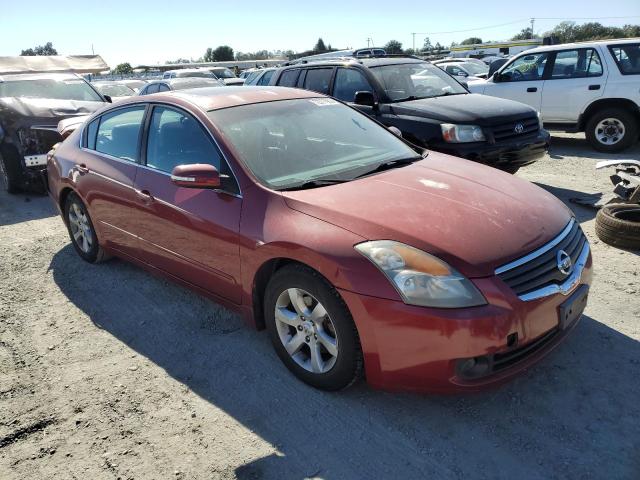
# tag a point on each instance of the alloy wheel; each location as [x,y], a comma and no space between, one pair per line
[80,227]
[610,131]
[306,330]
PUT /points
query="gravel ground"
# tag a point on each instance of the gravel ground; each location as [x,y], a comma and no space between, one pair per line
[107,372]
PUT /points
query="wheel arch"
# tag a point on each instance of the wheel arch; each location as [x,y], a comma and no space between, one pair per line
[62,199]
[261,280]
[602,103]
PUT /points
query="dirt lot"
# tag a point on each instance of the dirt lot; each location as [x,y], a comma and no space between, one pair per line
[107,372]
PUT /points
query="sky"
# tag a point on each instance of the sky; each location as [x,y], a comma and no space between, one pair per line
[151,32]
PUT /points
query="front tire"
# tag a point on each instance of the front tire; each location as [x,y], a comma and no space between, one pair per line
[312,329]
[81,231]
[10,173]
[612,130]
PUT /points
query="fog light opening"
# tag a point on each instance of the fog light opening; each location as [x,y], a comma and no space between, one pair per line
[473,367]
[512,340]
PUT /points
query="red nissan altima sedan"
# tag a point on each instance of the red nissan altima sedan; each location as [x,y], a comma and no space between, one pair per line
[361,254]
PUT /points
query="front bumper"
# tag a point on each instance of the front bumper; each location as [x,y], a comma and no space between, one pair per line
[513,153]
[418,349]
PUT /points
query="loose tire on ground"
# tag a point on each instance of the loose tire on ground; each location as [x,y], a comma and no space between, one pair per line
[348,361]
[81,228]
[620,119]
[619,225]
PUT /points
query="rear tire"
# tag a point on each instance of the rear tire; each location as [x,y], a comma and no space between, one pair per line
[81,231]
[10,173]
[619,225]
[612,130]
[319,312]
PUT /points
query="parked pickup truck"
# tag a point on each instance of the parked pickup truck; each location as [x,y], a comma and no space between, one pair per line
[591,87]
[429,107]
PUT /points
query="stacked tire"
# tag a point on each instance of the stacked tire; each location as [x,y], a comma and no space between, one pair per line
[619,225]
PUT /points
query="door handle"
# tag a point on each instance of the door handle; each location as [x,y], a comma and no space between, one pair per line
[82,168]
[594,87]
[145,196]
[532,89]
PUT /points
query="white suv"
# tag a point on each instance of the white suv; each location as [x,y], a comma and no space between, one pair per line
[591,87]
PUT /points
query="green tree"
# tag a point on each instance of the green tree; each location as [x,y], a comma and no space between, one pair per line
[437,47]
[426,46]
[208,55]
[409,51]
[393,46]
[320,46]
[123,69]
[41,50]
[525,34]
[471,41]
[223,53]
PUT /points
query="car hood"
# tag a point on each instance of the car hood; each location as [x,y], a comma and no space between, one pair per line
[18,113]
[467,109]
[474,217]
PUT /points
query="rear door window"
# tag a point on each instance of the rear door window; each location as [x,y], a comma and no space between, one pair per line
[318,79]
[627,58]
[348,82]
[289,78]
[119,133]
[163,87]
[580,63]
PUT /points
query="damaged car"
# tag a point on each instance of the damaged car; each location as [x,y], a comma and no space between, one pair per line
[31,105]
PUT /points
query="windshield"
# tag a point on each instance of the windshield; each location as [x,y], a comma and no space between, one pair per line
[226,73]
[65,89]
[475,68]
[290,142]
[409,81]
[115,90]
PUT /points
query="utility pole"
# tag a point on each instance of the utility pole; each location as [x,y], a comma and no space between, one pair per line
[414,42]
[533,20]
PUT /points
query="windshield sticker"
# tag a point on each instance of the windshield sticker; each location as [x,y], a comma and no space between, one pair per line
[321,102]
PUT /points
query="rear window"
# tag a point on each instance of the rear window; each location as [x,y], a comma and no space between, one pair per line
[627,58]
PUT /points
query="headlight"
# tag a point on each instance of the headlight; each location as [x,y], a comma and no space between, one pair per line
[540,124]
[461,133]
[421,279]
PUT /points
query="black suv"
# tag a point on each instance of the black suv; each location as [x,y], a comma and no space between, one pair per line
[428,106]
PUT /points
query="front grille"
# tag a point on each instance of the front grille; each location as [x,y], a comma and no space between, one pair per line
[507,131]
[540,268]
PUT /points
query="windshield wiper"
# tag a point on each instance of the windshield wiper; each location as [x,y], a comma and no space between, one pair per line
[446,94]
[391,164]
[320,182]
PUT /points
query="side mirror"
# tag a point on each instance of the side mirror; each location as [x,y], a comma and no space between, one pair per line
[197,175]
[108,98]
[496,77]
[364,98]
[396,131]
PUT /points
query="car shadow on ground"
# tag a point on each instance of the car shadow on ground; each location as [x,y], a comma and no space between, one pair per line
[23,207]
[575,415]
[562,146]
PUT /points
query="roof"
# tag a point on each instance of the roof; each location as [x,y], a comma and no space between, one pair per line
[565,46]
[225,97]
[367,61]
[186,81]
[38,76]
[53,63]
